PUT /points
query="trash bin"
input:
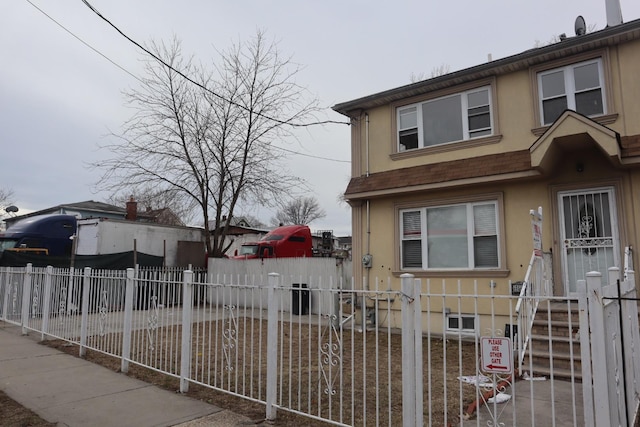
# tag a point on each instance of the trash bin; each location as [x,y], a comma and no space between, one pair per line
[300,299]
[510,331]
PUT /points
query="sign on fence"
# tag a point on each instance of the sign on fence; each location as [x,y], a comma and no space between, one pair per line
[497,355]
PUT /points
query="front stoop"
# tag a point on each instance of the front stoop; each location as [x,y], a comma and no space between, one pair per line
[555,342]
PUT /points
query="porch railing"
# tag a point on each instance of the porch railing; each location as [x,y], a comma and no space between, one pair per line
[535,285]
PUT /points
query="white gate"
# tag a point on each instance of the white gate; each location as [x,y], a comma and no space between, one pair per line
[610,346]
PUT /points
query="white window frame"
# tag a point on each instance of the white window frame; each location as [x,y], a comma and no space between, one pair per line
[423,236]
[461,329]
[464,107]
[569,86]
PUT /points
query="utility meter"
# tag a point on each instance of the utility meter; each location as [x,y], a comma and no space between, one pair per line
[367,261]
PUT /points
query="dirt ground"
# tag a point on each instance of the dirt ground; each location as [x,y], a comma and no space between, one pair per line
[12,414]
[363,385]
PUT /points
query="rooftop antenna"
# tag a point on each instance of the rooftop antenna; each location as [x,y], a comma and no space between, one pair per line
[580,26]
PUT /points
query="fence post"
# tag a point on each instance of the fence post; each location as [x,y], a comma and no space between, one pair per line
[632,338]
[46,302]
[185,352]
[128,320]
[7,292]
[409,397]
[272,346]
[614,275]
[598,353]
[26,296]
[585,354]
[84,319]
[417,310]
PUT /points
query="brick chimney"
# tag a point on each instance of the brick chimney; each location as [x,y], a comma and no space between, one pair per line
[132,209]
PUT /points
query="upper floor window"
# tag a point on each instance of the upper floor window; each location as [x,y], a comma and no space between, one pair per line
[577,87]
[460,236]
[451,118]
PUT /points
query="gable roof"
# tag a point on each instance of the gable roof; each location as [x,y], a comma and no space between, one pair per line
[88,206]
[609,36]
[569,130]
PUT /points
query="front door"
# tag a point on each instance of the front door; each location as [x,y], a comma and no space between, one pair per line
[589,234]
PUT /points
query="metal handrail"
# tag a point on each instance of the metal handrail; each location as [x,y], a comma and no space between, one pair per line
[526,308]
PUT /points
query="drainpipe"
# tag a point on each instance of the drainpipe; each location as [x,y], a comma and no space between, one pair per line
[366,143]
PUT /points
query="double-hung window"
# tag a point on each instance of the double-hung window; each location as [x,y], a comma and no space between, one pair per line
[459,236]
[577,87]
[456,117]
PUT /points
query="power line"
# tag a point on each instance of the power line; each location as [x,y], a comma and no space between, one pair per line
[141,81]
[85,43]
[310,155]
[190,80]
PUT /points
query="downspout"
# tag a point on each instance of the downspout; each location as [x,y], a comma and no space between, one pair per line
[368,252]
[367,275]
[366,143]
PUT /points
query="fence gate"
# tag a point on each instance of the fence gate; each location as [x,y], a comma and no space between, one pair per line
[610,345]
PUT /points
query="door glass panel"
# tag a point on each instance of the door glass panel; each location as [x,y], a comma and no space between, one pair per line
[588,236]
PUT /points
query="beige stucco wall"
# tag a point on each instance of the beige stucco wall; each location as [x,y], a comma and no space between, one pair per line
[376,223]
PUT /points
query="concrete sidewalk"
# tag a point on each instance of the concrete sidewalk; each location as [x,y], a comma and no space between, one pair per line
[74,392]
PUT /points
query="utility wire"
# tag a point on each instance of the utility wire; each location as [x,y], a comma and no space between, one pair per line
[148,52]
[141,81]
[310,155]
[85,43]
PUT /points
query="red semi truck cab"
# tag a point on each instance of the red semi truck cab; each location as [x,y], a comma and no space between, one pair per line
[288,241]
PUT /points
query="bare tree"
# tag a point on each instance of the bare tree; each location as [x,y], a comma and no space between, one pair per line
[301,211]
[438,71]
[211,141]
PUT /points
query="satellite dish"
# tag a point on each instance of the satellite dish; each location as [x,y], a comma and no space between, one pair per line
[11,209]
[581,27]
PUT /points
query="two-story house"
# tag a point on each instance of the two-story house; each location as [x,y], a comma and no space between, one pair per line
[445,170]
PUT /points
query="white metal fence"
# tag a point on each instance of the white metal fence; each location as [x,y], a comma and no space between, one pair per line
[298,349]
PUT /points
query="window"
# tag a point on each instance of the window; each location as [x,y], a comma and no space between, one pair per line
[457,117]
[459,236]
[577,87]
[464,323]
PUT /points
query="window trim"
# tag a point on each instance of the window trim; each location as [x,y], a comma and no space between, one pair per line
[570,91]
[609,115]
[500,271]
[463,108]
[461,330]
[495,136]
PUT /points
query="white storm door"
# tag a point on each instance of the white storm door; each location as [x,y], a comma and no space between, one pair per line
[589,234]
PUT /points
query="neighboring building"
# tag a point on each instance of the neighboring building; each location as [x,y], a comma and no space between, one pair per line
[87,209]
[91,209]
[445,171]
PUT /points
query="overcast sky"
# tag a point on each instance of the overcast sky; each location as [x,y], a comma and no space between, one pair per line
[59,98]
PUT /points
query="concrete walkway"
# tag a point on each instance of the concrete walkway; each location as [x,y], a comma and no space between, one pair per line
[535,403]
[70,391]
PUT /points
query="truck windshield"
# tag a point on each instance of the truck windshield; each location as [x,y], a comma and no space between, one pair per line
[272,237]
[248,249]
[7,243]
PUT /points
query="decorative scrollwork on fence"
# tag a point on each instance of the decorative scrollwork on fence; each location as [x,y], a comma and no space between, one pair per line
[330,355]
[152,322]
[104,304]
[230,338]
[62,309]
[35,301]
[14,299]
